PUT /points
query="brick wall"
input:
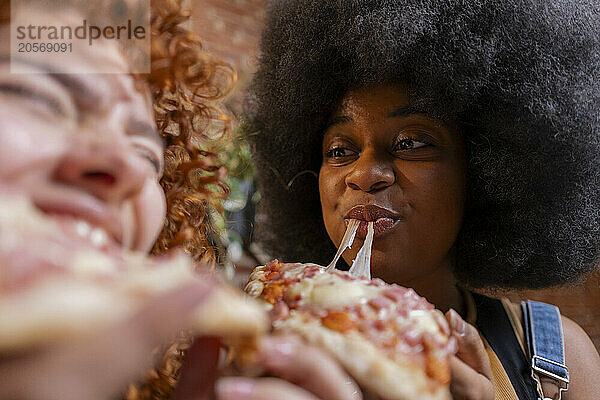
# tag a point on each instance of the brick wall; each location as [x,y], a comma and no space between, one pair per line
[231,30]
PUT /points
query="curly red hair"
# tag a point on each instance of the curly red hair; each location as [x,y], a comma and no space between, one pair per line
[185,81]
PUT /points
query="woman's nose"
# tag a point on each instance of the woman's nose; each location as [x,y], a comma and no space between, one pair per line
[370,174]
[109,171]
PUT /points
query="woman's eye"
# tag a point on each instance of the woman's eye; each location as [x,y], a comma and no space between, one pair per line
[409,144]
[153,160]
[48,102]
[339,152]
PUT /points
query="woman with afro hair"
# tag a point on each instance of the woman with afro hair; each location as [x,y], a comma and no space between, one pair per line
[472,128]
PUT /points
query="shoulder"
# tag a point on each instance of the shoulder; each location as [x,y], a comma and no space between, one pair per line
[583,363]
[581,356]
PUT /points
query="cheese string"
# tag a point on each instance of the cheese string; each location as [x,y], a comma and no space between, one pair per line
[362,263]
[347,241]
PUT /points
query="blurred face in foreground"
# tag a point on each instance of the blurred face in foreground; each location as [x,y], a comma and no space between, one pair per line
[386,162]
[82,147]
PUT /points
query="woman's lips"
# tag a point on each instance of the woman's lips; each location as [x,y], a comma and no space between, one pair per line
[84,209]
[383,219]
[381,226]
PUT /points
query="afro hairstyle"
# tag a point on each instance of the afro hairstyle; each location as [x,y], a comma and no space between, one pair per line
[521,78]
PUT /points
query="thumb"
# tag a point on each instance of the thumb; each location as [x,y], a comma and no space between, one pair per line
[470,346]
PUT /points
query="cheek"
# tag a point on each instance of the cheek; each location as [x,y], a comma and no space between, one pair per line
[331,189]
[150,212]
[439,201]
[331,185]
[329,193]
[326,195]
[27,145]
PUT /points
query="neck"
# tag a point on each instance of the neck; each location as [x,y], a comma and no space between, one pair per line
[439,288]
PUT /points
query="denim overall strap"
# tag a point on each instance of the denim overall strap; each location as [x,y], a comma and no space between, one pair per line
[545,343]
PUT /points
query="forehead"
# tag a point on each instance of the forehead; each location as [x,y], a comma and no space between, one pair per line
[93,92]
[103,54]
[373,100]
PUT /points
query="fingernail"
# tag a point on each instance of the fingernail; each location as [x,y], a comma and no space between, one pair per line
[234,388]
[279,348]
[459,326]
[284,349]
[275,352]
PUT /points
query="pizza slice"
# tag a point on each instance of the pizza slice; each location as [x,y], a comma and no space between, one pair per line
[392,341]
[61,278]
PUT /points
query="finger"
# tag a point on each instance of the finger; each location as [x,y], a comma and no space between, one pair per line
[199,370]
[260,389]
[307,366]
[107,361]
[467,384]
[470,346]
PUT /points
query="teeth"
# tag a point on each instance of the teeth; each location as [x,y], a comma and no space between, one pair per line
[98,237]
[83,229]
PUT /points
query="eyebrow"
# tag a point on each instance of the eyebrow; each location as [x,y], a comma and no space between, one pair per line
[82,91]
[72,82]
[78,88]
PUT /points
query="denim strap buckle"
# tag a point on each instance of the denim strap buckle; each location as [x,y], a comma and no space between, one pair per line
[537,363]
[545,343]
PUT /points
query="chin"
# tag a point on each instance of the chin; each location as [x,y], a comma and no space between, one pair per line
[382,268]
[392,271]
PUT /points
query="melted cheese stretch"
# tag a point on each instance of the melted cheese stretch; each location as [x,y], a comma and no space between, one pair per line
[361,266]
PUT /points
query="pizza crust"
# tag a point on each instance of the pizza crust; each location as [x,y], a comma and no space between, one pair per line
[55,311]
[58,310]
[228,314]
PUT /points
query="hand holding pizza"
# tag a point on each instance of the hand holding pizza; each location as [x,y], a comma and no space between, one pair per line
[470,367]
[309,374]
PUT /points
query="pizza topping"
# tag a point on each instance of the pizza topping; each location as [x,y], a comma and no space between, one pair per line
[393,318]
[437,368]
[380,303]
[339,321]
[273,292]
[396,293]
[330,290]
[297,291]
[412,337]
[423,320]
